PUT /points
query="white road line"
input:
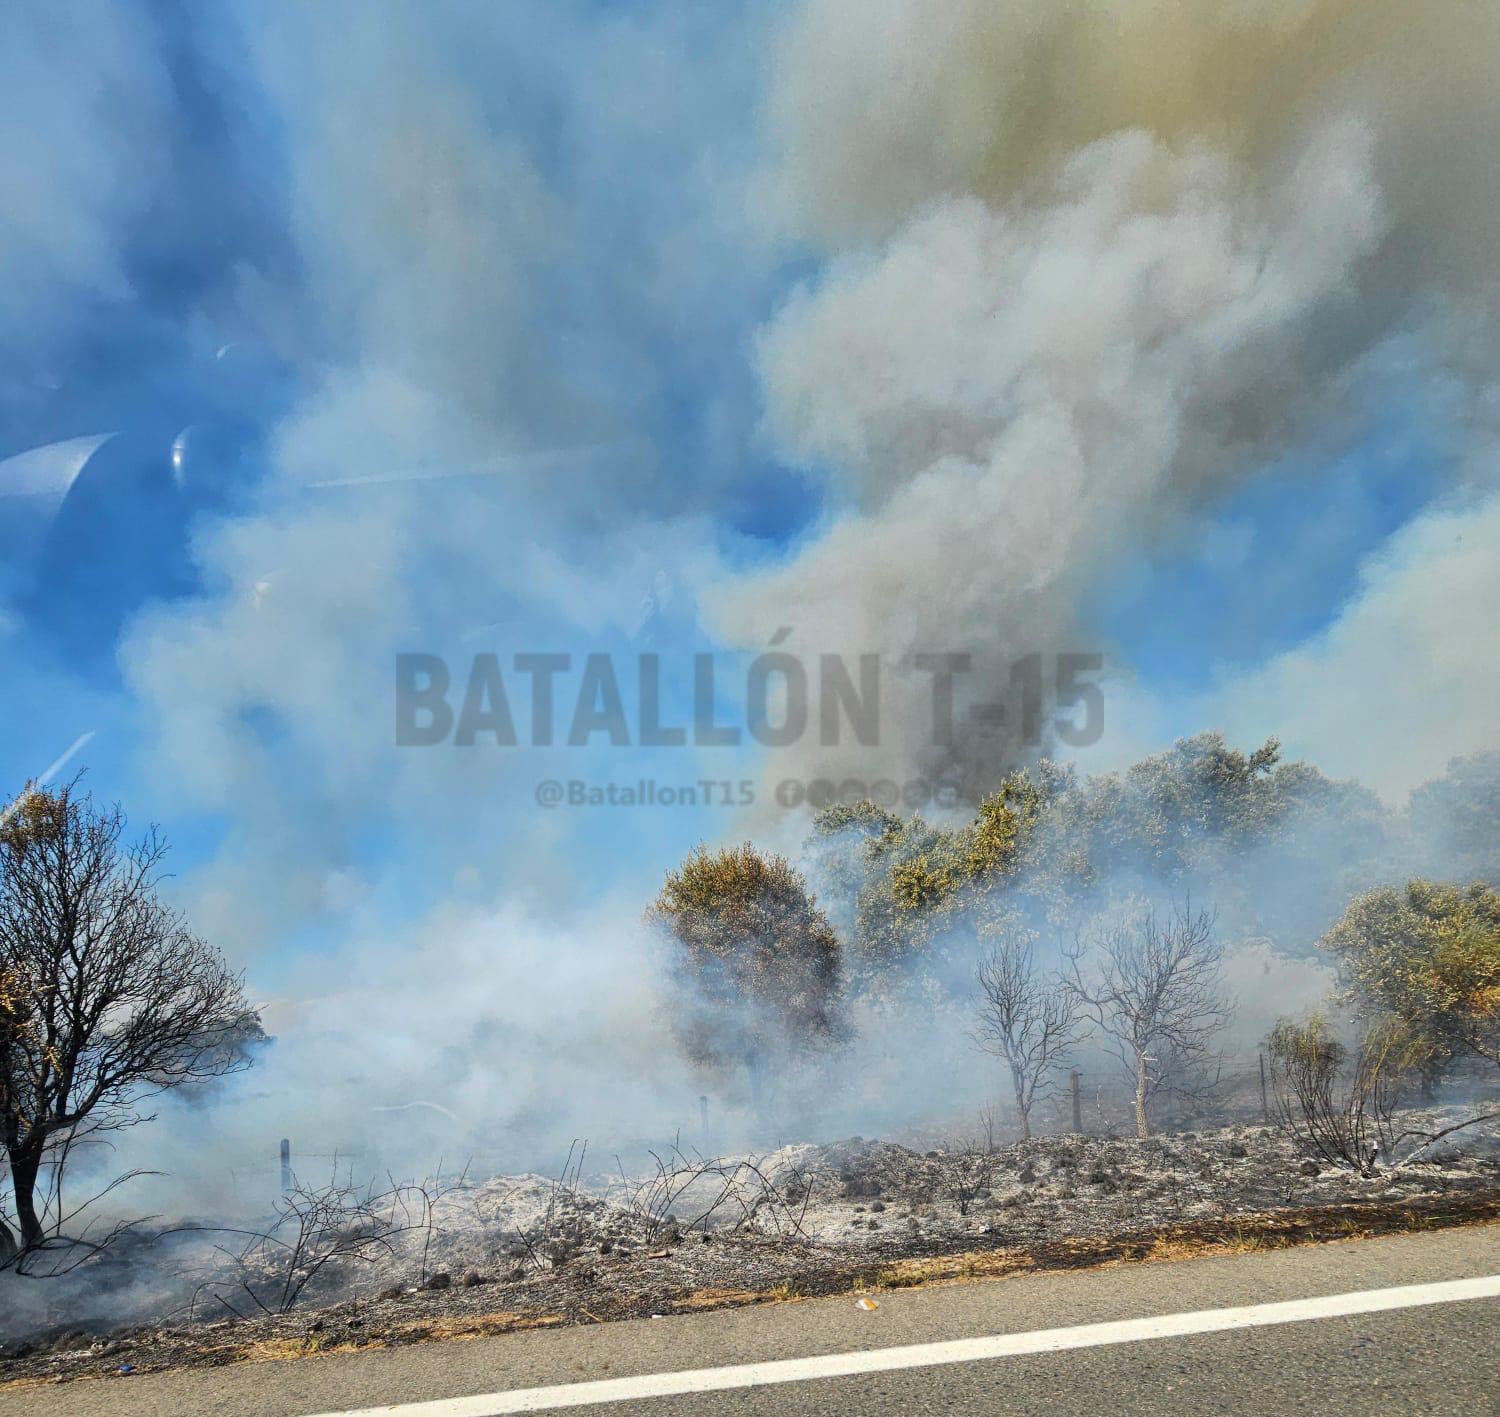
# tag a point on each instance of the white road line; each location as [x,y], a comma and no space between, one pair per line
[926,1355]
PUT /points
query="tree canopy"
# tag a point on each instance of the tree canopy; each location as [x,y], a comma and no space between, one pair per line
[1426,954]
[759,956]
[1053,845]
[106,996]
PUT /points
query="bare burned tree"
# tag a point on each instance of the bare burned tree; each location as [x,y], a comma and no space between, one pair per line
[108,999]
[1154,988]
[1027,1019]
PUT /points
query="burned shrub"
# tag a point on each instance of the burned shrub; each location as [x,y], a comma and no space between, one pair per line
[967,1174]
[1334,1104]
[726,1192]
[1341,1102]
[319,1234]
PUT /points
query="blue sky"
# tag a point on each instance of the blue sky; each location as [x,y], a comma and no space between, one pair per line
[476,231]
[1279,558]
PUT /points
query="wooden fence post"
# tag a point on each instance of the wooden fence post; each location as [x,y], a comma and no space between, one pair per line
[1265,1105]
[1077,1102]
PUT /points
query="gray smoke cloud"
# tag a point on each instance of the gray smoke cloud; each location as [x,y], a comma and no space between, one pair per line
[82,126]
[464,299]
[1088,269]
[1079,271]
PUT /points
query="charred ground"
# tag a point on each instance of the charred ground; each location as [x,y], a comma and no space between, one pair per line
[512,1253]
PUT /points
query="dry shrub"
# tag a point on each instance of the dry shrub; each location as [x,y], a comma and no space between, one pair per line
[759,960]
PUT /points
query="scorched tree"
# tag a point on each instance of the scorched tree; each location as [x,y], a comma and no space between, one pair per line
[106,998]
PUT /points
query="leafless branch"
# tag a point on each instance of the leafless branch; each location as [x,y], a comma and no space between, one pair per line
[1025,1019]
[1341,1104]
[322,1229]
[106,997]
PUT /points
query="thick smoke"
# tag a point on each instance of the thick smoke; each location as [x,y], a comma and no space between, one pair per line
[513,249]
[75,183]
[473,291]
[1070,275]
[480,1035]
[1087,270]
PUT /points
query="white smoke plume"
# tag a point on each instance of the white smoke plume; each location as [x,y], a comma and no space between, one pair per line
[1406,678]
[1087,269]
[460,300]
[81,132]
[1070,275]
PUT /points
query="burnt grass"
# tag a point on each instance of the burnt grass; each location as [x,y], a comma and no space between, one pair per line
[870,1216]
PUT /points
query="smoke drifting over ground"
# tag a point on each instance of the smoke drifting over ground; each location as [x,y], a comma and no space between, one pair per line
[1025,292]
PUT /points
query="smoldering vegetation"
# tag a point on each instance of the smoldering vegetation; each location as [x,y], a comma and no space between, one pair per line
[693,1232]
[1069,886]
[1031,345]
[961,1001]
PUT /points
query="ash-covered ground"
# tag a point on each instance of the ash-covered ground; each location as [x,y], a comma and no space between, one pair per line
[690,1233]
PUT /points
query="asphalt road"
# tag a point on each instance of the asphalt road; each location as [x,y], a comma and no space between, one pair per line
[1434,1358]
